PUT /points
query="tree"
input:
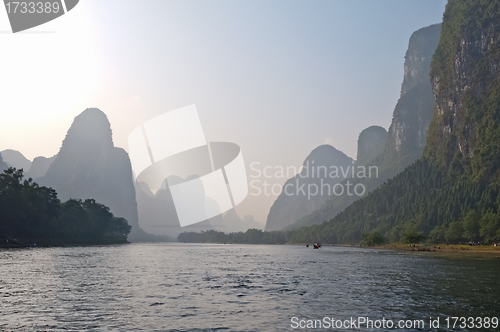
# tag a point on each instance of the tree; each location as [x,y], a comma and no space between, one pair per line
[31,213]
[413,237]
[471,226]
[438,234]
[255,235]
[373,238]
[490,227]
[454,233]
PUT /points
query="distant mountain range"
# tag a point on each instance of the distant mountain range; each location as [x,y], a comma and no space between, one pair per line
[157,215]
[452,193]
[439,162]
[88,165]
[404,143]
[16,159]
[294,203]
[39,167]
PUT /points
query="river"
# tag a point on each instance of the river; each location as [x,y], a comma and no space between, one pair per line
[203,287]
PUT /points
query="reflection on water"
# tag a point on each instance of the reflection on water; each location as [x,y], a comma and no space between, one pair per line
[182,287]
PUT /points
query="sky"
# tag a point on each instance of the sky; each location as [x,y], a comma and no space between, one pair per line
[278,78]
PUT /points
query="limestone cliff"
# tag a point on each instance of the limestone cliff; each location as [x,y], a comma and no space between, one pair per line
[293,204]
[410,122]
[407,134]
[88,165]
[465,132]
[371,142]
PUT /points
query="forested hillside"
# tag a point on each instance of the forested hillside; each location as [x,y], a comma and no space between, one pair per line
[406,138]
[452,193]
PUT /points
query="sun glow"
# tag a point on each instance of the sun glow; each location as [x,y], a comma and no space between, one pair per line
[48,75]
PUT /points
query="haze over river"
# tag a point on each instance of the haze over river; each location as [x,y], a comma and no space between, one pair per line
[192,287]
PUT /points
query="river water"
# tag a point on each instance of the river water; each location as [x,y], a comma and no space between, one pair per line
[198,287]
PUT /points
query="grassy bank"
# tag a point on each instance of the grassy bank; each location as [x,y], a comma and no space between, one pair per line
[451,249]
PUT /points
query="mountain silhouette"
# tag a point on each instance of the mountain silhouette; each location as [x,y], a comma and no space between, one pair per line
[407,135]
[88,165]
[16,159]
[287,208]
[39,167]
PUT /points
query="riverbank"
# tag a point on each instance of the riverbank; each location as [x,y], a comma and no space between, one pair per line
[446,249]
[14,243]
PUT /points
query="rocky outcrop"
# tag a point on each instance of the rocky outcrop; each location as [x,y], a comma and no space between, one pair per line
[465,133]
[16,159]
[457,182]
[407,134]
[293,203]
[39,167]
[371,142]
[88,165]
[35,169]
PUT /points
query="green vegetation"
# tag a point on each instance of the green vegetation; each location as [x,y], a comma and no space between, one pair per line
[406,137]
[455,233]
[31,214]
[470,46]
[417,200]
[422,200]
[452,194]
[373,239]
[251,236]
[413,237]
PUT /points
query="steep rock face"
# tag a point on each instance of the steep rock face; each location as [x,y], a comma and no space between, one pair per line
[287,209]
[408,132]
[89,166]
[418,57]
[16,159]
[39,167]
[460,170]
[370,144]
[465,132]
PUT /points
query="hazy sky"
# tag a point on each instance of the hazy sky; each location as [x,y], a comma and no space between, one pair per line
[276,77]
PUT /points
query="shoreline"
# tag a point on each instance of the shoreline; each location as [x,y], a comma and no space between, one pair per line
[14,244]
[458,249]
[431,249]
